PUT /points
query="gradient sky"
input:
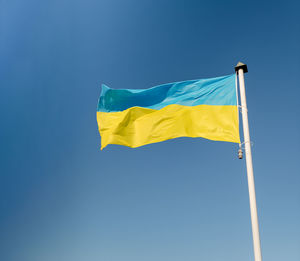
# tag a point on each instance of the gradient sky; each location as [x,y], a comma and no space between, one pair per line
[62,199]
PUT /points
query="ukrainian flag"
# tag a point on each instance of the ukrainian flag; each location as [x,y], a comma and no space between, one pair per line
[204,108]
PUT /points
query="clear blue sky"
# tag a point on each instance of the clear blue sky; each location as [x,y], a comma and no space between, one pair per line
[61,198]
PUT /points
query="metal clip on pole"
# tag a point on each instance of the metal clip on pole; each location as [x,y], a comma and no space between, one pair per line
[240,152]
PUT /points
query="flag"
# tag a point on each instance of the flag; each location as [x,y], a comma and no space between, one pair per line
[204,108]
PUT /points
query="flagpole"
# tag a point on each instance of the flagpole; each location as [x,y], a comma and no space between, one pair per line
[241,69]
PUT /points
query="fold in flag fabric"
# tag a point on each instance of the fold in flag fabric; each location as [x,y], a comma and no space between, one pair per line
[204,108]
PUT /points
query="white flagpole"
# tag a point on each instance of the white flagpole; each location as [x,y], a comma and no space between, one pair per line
[241,69]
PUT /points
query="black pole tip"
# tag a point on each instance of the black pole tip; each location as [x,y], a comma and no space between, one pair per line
[242,66]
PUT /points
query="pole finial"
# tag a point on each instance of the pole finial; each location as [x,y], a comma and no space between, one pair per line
[240,65]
